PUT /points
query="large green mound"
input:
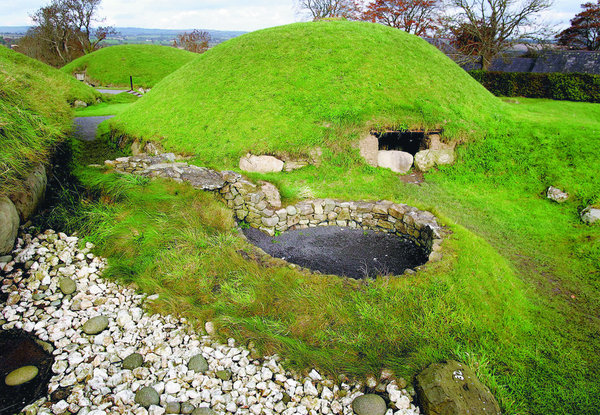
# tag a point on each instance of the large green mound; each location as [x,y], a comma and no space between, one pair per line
[34,112]
[290,88]
[147,64]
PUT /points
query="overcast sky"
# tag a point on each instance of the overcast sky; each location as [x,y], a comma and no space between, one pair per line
[246,15]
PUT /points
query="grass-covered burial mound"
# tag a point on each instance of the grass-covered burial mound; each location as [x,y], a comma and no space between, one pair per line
[147,64]
[295,87]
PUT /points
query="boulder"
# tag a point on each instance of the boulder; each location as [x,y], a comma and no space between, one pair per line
[397,161]
[271,194]
[67,285]
[136,148]
[31,193]
[556,195]
[9,225]
[590,215]
[428,159]
[369,149]
[202,178]
[260,164]
[369,404]
[434,142]
[451,388]
[79,104]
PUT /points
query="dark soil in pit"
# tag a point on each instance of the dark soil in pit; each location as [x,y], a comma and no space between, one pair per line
[18,349]
[348,252]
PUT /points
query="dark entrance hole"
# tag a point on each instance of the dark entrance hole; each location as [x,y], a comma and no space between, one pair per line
[17,349]
[348,252]
[407,141]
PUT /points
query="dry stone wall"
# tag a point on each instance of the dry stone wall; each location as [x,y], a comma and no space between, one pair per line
[259,205]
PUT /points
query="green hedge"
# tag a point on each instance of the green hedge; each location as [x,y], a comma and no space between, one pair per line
[559,86]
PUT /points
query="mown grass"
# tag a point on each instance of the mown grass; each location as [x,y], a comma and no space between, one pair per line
[111,105]
[113,65]
[34,113]
[516,295]
[291,88]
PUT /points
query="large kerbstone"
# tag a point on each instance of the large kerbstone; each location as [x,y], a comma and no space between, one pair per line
[369,149]
[590,215]
[369,404]
[261,164]
[31,193]
[9,225]
[451,388]
[427,159]
[397,161]
[434,142]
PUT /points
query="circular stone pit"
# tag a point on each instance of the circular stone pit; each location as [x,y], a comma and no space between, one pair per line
[348,252]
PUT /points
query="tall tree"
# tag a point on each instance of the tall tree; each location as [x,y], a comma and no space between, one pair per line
[197,41]
[584,32]
[484,28]
[413,16]
[63,31]
[321,9]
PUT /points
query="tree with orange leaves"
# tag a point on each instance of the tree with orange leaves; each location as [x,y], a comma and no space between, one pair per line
[413,16]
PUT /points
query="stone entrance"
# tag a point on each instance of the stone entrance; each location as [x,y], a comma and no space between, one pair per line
[398,150]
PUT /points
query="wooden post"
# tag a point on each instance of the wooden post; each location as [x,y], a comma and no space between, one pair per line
[131,82]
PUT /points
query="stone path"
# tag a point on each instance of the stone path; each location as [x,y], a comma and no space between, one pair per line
[111,91]
[111,357]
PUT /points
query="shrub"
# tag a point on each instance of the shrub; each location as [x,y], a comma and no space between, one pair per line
[559,86]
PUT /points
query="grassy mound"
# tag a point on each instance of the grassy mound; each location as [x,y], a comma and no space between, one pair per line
[112,66]
[34,112]
[294,87]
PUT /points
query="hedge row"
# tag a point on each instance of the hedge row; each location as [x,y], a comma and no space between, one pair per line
[560,86]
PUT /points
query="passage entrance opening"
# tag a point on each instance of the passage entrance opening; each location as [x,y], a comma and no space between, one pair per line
[407,141]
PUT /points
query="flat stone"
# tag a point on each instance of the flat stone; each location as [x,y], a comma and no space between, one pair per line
[198,364]
[202,178]
[21,375]
[369,404]
[133,361]
[203,410]
[452,388]
[271,194]
[260,164]
[95,325]
[67,285]
[147,397]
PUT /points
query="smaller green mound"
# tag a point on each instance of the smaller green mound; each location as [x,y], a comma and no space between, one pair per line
[147,64]
[34,112]
[291,88]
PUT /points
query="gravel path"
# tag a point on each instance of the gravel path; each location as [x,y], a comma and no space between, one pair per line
[55,290]
[85,127]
